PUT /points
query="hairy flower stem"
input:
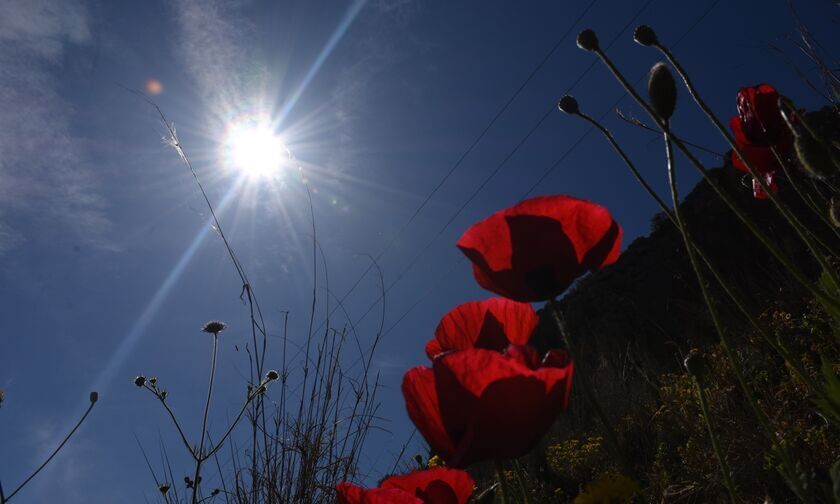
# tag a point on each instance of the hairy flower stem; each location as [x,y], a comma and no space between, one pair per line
[800,228]
[520,479]
[588,395]
[7,498]
[503,484]
[724,467]
[829,301]
[692,257]
[199,458]
[790,359]
[724,338]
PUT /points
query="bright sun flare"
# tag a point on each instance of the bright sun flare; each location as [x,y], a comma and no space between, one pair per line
[252,147]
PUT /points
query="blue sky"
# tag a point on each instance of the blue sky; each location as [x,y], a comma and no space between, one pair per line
[108,267]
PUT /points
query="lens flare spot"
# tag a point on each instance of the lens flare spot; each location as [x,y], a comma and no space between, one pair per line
[154,87]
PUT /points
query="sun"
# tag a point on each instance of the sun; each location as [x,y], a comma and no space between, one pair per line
[253,148]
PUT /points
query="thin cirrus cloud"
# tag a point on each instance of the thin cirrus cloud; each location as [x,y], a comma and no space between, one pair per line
[43,176]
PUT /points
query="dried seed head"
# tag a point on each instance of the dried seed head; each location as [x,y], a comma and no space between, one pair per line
[694,363]
[153,381]
[662,91]
[94,396]
[214,327]
[569,105]
[163,395]
[587,40]
[140,380]
[215,492]
[272,375]
[164,488]
[645,35]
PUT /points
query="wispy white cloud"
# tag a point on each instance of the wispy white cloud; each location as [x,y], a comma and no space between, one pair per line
[43,177]
[213,45]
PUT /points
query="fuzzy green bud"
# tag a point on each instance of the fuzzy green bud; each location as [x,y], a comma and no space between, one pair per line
[662,91]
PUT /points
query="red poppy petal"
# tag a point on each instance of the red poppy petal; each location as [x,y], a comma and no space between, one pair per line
[440,485]
[433,348]
[537,248]
[490,324]
[390,496]
[478,392]
[421,402]
[349,493]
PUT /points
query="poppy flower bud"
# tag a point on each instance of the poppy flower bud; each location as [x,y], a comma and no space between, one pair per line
[814,156]
[94,396]
[694,364]
[568,104]
[662,91]
[645,35]
[587,40]
[140,381]
[419,459]
[214,327]
[272,375]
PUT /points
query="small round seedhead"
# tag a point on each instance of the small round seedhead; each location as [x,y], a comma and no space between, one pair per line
[694,364]
[164,488]
[94,396]
[153,381]
[272,375]
[214,327]
[662,91]
[645,35]
[215,492]
[140,380]
[587,40]
[569,105]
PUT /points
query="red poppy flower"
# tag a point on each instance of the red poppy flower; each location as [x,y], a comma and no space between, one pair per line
[433,486]
[534,250]
[758,127]
[477,404]
[492,324]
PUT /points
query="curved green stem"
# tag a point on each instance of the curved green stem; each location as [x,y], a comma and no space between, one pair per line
[199,454]
[786,213]
[53,454]
[724,467]
[791,361]
[520,479]
[829,301]
[589,397]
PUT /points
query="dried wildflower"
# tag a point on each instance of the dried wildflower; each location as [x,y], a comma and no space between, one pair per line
[272,375]
[569,105]
[645,35]
[214,327]
[587,40]
[140,380]
[94,396]
[662,91]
